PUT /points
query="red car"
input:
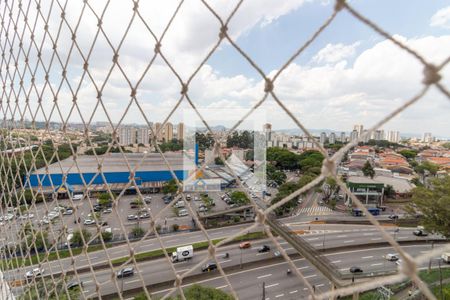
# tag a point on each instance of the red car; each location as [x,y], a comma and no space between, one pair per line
[245,245]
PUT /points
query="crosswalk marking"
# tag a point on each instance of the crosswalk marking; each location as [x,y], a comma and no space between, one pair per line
[315,211]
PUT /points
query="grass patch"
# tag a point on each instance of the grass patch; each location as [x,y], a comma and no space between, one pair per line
[197,246]
[35,259]
[433,275]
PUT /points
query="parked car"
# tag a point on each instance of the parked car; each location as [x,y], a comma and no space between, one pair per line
[107,210]
[26,216]
[234,205]
[68,212]
[125,272]
[197,198]
[97,207]
[263,248]
[33,273]
[188,197]
[277,253]
[89,222]
[391,256]
[144,215]
[132,217]
[134,204]
[245,245]
[148,199]
[356,270]
[202,209]
[182,213]
[209,267]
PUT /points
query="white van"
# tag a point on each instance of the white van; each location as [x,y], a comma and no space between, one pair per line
[77,197]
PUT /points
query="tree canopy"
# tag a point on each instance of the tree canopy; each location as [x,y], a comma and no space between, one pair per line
[434,204]
[170,187]
[368,170]
[239,197]
[408,154]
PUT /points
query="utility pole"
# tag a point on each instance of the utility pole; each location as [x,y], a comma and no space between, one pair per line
[264,290]
[440,279]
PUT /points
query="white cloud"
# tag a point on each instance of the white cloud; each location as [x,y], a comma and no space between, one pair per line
[441,18]
[333,53]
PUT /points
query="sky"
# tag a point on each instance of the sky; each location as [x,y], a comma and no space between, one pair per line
[348,75]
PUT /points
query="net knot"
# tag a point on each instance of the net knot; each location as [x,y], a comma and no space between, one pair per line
[184,89]
[339,5]
[223,32]
[328,167]
[157,47]
[268,86]
[431,74]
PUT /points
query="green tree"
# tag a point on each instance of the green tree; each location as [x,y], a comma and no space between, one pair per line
[446,145]
[368,170]
[275,175]
[50,289]
[137,231]
[104,199]
[433,203]
[198,292]
[218,161]
[78,235]
[170,187]
[107,236]
[427,166]
[329,188]
[239,198]
[389,191]
[408,154]
[36,241]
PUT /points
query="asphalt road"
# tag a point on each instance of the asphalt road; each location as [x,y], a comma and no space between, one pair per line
[333,235]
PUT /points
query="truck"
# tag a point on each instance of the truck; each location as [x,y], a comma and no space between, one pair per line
[183,253]
[446,257]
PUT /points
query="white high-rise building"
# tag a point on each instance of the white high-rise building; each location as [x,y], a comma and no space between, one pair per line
[142,136]
[393,136]
[359,129]
[366,137]
[323,138]
[427,137]
[127,135]
[267,128]
[332,138]
[343,138]
[354,135]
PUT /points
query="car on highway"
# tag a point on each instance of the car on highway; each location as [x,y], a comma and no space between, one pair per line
[277,253]
[74,284]
[125,272]
[107,211]
[33,273]
[89,222]
[132,217]
[245,245]
[182,213]
[209,267]
[263,248]
[393,217]
[391,257]
[398,262]
[420,232]
[356,270]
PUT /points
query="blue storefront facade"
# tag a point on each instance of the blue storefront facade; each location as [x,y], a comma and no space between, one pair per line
[56,179]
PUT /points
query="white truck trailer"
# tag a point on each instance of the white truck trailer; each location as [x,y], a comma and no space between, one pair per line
[183,253]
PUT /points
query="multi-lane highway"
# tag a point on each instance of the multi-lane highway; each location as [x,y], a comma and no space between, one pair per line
[319,235]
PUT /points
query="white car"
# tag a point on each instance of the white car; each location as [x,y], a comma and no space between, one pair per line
[44,221]
[89,222]
[59,209]
[202,209]
[391,257]
[147,199]
[33,273]
[8,217]
[107,211]
[26,216]
[179,204]
[182,213]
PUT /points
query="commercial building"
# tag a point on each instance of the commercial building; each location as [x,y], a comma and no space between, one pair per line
[393,136]
[353,135]
[180,131]
[142,136]
[127,135]
[323,138]
[114,170]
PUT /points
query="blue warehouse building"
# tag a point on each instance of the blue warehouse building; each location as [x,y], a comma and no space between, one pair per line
[115,171]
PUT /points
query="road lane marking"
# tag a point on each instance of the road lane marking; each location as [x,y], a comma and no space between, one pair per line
[169,241]
[336,261]
[258,254]
[312,239]
[264,276]
[293,292]
[127,282]
[310,276]
[219,287]
[280,295]
[224,261]
[365,257]
[350,241]
[288,249]
[271,285]
[378,264]
[375,239]
[341,236]
[319,285]
[302,268]
[367,233]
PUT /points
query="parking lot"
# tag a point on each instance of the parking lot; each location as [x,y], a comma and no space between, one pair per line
[59,214]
